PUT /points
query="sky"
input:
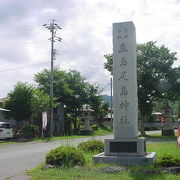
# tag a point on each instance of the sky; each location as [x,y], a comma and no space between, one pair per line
[86,35]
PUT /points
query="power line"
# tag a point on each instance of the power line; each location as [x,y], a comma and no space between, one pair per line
[161,22]
[22,67]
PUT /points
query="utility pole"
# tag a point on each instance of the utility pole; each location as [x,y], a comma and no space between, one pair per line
[111,122]
[52,27]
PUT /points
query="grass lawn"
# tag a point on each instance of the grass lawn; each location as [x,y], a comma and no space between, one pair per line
[93,171]
[158,136]
[99,132]
[4,143]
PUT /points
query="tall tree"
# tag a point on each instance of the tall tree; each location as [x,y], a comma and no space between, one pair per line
[19,101]
[154,68]
[69,88]
[78,96]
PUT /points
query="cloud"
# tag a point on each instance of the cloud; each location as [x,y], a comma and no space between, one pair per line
[86,33]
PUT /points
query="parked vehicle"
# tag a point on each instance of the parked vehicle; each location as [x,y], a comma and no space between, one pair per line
[5,130]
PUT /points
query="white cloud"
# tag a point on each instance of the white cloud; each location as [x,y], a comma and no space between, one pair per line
[86,34]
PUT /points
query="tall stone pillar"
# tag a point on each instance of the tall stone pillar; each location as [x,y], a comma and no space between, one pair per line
[125,81]
[126,148]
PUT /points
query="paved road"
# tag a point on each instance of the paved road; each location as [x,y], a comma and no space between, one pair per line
[15,158]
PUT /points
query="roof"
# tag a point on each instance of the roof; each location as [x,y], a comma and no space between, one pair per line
[1,109]
[2,100]
[4,123]
[86,107]
[108,116]
[157,113]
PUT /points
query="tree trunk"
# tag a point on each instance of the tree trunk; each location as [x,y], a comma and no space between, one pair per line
[75,124]
[99,121]
[75,131]
[31,120]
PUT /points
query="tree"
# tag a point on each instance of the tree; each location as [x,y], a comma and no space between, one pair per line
[41,101]
[70,88]
[171,94]
[19,102]
[78,96]
[60,86]
[100,108]
[154,69]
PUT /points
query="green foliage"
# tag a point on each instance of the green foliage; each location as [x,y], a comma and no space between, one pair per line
[100,108]
[66,156]
[42,100]
[94,171]
[156,76]
[71,89]
[61,88]
[91,146]
[29,131]
[94,127]
[25,102]
[168,160]
[152,128]
[19,101]
[109,64]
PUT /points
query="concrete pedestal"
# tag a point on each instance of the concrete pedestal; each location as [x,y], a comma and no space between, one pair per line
[125,152]
[147,159]
[125,147]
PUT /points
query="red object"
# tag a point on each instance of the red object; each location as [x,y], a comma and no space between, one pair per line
[178,136]
[162,119]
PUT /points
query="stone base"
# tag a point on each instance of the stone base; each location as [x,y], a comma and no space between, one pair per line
[148,159]
[125,147]
[168,132]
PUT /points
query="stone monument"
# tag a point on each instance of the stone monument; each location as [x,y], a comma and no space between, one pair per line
[167,129]
[126,148]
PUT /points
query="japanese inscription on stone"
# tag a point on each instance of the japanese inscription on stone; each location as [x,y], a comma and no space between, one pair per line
[122,38]
[124,75]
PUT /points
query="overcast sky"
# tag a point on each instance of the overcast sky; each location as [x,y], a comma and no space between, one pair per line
[86,34]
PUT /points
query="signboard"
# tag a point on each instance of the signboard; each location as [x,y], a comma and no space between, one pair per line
[44,120]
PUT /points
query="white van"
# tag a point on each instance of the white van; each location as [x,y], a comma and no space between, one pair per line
[5,130]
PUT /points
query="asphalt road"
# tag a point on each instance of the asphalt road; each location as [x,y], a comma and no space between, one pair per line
[15,158]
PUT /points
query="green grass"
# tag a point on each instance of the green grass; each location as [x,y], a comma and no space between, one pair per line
[93,171]
[4,143]
[164,148]
[158,136]
[100,132]
[104,130]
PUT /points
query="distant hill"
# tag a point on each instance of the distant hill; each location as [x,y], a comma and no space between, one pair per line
[107,98]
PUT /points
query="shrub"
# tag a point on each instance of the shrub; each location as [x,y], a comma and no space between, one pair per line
[168,160]
[92,145]
[94,127]
[66,156]
[29,131]
[86,132]
[151,128]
